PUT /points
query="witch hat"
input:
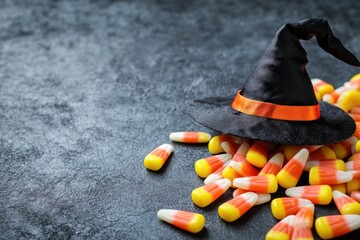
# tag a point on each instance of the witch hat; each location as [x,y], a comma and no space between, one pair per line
[278,103]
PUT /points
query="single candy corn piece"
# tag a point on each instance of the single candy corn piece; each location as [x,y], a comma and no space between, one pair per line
[321,87]
[215,143]
[188,221]
[238,206]
[205,195]
[217,174]
[355,78]
[355,148]
[205,166]
[343,149]
[323,153]
[156,159]
[353,185]
[324,175]
[243,167]
[291,150]
[302,232]
[230,173]
[261,184]
[317,194]
[333,164]
[283,230]
[230,147]
[289,175]
[353,165]
[190,137]
[348,100]
[274,165]
[306,215]
[345,204]
[257,154]
[282,207]
[263,197]
[336,225]
[339,187]
[356,195]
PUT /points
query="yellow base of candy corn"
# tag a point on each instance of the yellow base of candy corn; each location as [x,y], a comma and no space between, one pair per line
[339,151]
[278,209]
[351,208]
[228,213]
[314,176]
[197,223]
[325,195]
[153,162]
[256,159]
[285,179]
[215,145]
[204,137]
[272,235]
[202,168]
[201,197]
[323,228]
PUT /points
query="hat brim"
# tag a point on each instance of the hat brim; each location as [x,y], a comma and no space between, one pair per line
[333,126]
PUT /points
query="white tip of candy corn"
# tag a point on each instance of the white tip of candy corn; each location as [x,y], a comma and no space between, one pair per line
[223,183]
[166,215]
[243,149]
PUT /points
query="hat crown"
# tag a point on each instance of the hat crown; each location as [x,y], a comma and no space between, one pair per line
[280,75]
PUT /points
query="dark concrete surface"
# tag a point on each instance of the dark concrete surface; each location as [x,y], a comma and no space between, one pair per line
[88,88]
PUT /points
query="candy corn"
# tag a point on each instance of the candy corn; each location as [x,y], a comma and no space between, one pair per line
[334,96]
[321,87]
[238,206]
[336,225]
[353,185]
[339,187]
[214,144]
[302,232]
[243,167]
[263,197]
[353,165]
[333,164]
[323,153]
[282,207]
[230,147]
[156,159]
[190,137]
[283,230]
[188,221]
[230,173]
[257,154]
[242,150]
[343,149]
[205,195]
[205,166]
[306,215]
[355,195]
[274,165]
[355,148]
[289,175]
[262,184]
[345,204]
[324,175]
[291,150]
[317,194]
[217,174]
[348,100]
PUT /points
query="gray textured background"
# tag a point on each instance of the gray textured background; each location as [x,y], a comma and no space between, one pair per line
[88,88]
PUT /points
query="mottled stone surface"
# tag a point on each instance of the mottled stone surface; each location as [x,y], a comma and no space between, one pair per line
[88,88]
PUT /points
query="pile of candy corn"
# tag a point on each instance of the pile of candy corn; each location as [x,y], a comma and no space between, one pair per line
[255,169]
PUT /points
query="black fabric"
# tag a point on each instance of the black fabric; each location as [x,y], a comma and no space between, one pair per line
[334,125]
[280,77]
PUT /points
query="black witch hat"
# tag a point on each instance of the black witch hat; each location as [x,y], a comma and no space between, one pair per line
[278,103]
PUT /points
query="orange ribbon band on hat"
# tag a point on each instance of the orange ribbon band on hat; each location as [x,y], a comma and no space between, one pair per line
[275,111]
